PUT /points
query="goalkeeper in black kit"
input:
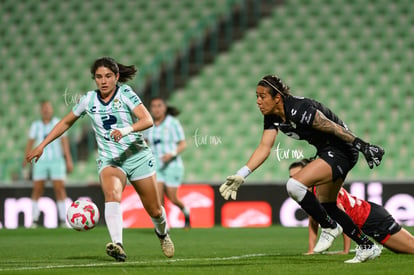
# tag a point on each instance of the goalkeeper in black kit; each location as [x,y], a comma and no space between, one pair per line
[337,153]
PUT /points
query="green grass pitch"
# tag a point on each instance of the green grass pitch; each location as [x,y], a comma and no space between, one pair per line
[272,250]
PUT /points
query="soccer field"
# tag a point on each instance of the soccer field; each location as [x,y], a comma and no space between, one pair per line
[273,250]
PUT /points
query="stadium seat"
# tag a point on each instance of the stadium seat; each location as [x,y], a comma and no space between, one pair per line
[49,50]
[360,68]
[353,57]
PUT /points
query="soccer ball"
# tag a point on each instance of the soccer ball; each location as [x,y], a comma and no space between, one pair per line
[82,215]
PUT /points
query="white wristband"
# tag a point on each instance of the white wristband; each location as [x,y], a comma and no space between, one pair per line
[244,171]
[174,153]
[126,130]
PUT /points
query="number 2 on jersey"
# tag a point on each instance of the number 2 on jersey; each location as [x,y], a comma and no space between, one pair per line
[108,121]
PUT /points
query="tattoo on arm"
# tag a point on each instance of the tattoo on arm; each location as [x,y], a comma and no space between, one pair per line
[323,124]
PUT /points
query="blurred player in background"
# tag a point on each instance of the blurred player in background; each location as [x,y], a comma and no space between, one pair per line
[167,141]
[337,149]
[54,164]
[118,117]
[372,218]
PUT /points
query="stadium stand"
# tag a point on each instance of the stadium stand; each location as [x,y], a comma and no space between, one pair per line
[47,53]
[355,57]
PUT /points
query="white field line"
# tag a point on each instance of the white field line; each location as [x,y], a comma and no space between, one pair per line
[48,267]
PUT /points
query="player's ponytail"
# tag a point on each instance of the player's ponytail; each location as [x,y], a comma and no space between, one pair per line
[125,72]
[275,84]
[170,110]
[173,111]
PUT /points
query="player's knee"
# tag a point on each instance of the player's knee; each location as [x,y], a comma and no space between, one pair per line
[155,212]
[112,196]
[296,189]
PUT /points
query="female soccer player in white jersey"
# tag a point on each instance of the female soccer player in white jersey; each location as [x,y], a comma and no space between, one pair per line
[337,150]
[54,164]
[118,117]
[167,141]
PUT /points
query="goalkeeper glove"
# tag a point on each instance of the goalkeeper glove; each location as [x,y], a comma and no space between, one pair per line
[230,186]
[372,153]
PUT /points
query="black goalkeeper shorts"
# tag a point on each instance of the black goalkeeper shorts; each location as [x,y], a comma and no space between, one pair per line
[341,161]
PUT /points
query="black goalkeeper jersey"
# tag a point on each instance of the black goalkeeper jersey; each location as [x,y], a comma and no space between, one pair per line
[300,113]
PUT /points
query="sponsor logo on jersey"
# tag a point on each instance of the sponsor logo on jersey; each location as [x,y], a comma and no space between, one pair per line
[134,99]
[306,118]
[93,110]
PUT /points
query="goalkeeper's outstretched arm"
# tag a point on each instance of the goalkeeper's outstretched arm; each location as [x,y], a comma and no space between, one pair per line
[231,185]
[262,151]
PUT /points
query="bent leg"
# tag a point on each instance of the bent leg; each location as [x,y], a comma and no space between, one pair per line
[161,188]
[401,242]
[148,192]
[171,193]
[319,173]
[315,172]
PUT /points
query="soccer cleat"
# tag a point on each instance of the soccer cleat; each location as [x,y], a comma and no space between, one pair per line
[167,245]
[328,235]
[116,250]
[34,225]
[364,253]
[63,224]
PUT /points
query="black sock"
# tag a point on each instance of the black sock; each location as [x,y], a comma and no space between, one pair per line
[314,208]
[348,226]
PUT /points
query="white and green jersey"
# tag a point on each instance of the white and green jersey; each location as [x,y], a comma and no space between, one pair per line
[38,131]
[105,117]
[164,138]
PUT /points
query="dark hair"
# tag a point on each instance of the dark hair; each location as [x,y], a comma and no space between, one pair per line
[44,101]
[171,110]
[125,72]
[275,84]
[302,163]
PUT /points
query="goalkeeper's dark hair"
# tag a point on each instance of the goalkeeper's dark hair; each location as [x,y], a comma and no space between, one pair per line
[125,72]
[171,110]
[275,84]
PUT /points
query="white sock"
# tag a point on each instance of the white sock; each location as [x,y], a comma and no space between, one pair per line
[161,223]
[113,219]
[186,211]
[61,205]
[35,210]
